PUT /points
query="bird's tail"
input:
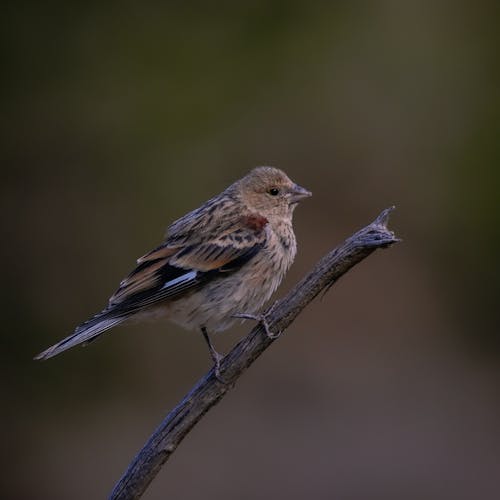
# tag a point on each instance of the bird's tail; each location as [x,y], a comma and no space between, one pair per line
[83,334]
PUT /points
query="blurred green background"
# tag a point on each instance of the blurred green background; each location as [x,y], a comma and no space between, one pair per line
[118,118]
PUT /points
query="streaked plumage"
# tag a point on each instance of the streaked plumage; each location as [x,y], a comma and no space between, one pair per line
[224,258]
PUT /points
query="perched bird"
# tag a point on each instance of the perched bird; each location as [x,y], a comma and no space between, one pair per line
[218,263]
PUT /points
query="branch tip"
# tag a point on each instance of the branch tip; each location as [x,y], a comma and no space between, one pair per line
[383,217]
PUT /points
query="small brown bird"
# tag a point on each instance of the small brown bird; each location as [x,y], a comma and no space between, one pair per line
[218,263]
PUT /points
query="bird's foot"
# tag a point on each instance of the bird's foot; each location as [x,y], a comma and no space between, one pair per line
[217,358]
[262,319]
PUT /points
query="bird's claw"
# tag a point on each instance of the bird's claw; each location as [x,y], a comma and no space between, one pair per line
[262,319]
[217,358]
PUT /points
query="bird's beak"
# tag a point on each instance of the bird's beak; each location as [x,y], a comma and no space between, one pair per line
[297,193]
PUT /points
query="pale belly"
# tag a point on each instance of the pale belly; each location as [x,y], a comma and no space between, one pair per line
[215,303]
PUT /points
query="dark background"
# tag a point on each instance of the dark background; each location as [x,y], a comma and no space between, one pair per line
[119,118]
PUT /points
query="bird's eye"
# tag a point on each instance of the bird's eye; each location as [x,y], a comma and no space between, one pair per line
[274,191]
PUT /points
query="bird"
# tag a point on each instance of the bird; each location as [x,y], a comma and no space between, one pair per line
[218,264]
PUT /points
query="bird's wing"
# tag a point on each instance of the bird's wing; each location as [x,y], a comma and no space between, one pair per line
[173,269]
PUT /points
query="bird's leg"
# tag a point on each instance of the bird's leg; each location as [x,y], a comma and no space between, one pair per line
[262,319]
[216,357]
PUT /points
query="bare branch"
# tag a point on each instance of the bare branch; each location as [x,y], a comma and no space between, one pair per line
[209,390]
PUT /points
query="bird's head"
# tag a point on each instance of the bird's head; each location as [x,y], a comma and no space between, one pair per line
[268,191]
